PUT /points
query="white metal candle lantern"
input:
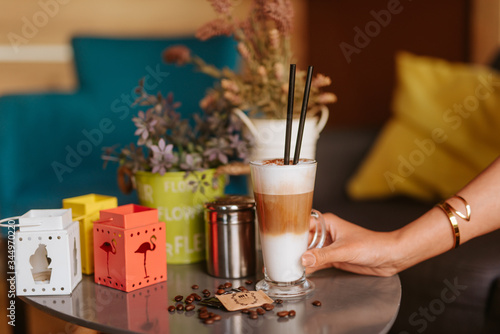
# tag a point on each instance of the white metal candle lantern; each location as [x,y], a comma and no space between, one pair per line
[47,253]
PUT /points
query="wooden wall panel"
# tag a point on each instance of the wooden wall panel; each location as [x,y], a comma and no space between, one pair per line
[364,81]
[111,17]
[485,30]
[53,22]
[35,77]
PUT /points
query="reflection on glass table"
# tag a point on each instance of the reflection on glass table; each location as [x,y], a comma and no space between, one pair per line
[350,304]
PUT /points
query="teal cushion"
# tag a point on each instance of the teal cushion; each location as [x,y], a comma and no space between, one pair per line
[40,133]
[110,69]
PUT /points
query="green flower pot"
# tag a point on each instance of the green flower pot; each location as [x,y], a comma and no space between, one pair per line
[180,206]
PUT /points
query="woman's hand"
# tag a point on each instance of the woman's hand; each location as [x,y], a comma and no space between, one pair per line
[354,248]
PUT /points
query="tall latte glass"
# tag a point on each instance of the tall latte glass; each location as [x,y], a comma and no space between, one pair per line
[283,195]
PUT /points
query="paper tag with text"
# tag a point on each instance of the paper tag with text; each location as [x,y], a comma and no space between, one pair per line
[243,300]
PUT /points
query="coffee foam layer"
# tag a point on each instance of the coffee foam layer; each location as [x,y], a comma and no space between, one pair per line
[282,255]
[278,179]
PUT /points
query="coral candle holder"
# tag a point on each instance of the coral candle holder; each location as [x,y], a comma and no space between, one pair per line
[129,248]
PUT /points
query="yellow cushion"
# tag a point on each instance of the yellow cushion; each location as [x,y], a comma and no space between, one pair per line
[444,130]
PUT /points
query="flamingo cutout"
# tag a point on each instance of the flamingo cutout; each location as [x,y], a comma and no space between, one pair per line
[143,248]
[109,248]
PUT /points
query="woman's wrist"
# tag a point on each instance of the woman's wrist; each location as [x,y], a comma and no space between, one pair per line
[425,237]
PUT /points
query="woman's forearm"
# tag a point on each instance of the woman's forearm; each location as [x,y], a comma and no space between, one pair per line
[432,233]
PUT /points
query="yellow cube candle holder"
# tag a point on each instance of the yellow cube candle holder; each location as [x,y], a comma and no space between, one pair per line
[86,210]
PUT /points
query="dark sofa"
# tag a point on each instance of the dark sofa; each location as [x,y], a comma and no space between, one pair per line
[456,292]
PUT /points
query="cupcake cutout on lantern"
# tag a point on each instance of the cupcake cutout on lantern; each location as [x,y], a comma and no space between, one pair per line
[40,265]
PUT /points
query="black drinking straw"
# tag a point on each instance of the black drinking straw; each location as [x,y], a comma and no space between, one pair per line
[289,114]
[302,121]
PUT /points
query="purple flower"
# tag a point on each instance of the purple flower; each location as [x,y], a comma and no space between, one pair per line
[163,157]
[145,126]
[216,154]
[190,162]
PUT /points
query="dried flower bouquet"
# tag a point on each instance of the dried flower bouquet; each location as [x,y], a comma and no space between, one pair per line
[263,41]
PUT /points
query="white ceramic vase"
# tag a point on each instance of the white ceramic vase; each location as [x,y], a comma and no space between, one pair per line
[269,135]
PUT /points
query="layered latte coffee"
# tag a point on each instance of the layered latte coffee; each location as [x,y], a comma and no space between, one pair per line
[283,195]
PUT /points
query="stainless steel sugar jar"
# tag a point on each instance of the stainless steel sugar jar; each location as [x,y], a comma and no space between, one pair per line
[230,237]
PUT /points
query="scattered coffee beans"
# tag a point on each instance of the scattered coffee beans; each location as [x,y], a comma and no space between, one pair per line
[210,317]
[282,314]
[268,307]
[316,303]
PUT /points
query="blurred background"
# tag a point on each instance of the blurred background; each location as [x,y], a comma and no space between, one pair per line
[353,42]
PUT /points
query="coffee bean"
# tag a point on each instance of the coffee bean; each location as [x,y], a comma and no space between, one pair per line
[211,314]
[268,307]
[228,285]
[248,282]
[180,307]
[206,295]
[189,300]
[253,316]
[195,287]
[242,289]
[291,313]
[316,303]
[189,307]
[202,309]
[282,314]
[203,315]
[261,311]
[217,317]
[205,291]
[208,321]
[220,291]
[221,286]
[171,308]
[196,297]
[178,298]
[245,311]
[278,301]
